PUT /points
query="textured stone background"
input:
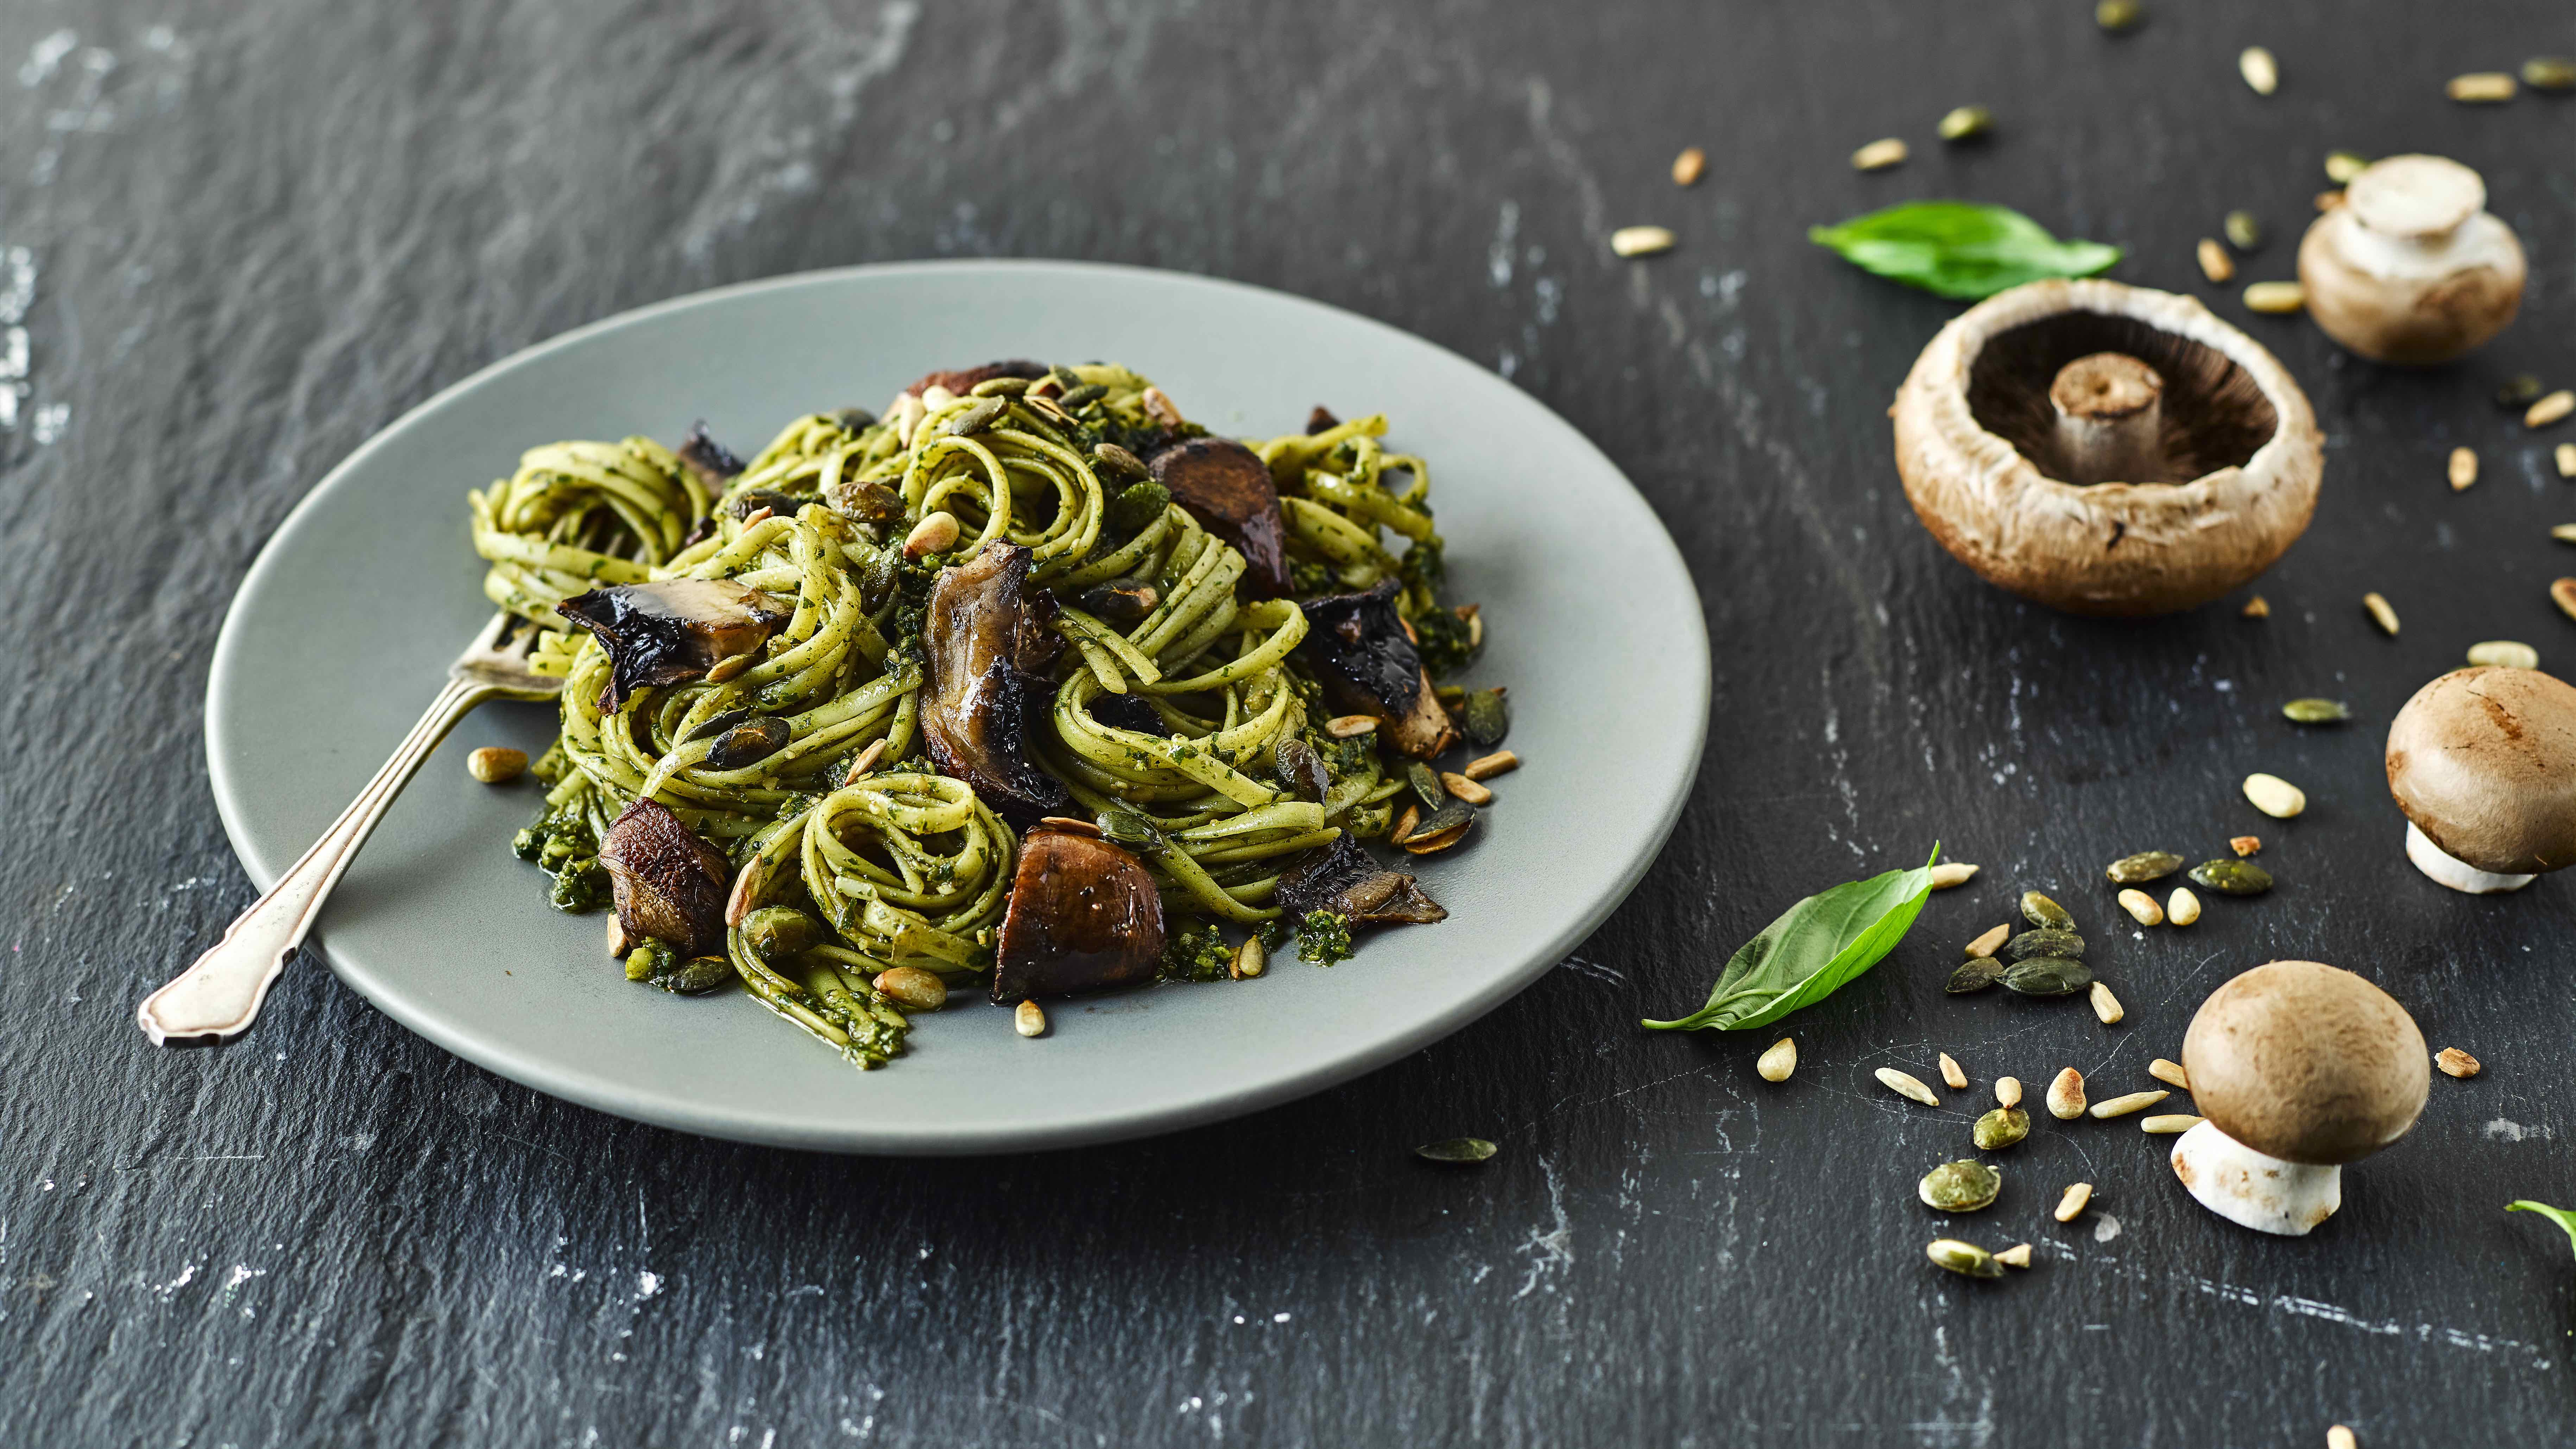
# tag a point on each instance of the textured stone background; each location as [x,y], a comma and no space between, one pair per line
[245,236]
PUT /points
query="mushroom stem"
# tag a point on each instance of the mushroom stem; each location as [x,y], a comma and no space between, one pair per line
[2255,1189]
[2110,419]
[2448,869]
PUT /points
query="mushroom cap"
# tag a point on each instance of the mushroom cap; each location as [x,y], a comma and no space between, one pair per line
[1974,444]
[2484,762]
[2307,1063]
[2412,268]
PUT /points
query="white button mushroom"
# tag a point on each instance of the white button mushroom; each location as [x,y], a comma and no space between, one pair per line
[2412,267]
[2106,449]
[2483,762]
[2298,1068]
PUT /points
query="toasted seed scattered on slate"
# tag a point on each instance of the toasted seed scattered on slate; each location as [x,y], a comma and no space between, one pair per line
[2169,1072]
[1906,1086]
[2182,907]
[2456,1063]
[2039,910]
[2072,1201]
[1953,1074]
[2142,867]
[2232,877]
[2125,1104]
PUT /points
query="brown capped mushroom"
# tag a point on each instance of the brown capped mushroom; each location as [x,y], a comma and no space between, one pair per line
[2483,762]
[962,380]
[2106,449]
[2298,1068]
[1083,913]
[1228,489]
[986,637]
[669,884]
[674,630]
[713,462]
[1345,879]
[2412,267]
[1356,645]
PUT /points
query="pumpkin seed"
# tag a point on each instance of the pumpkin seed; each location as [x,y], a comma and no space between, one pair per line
[1440,829]
[1777,1060]
[2182,908]
[2016,1256]
[2519,391]
[2342,166]
[996,387]
[2039,910]
[1951,873]
[1029,1019]
[2215,264]
[2505,653]
[2482,88]
[2116,16]
[1975,974]
[2072,1201]
[2232,877]
[2045,943]
[1905,1086]
[2562,592]
[2257,607]
[749,743]
[2170,1073]
[2275,298]
[2125,1104]
[2549,73]
[2144,866]
[1074,399]
[2456,1063]
[2262,73]
[2168,1123]
[1966,121]
[1951,1073]
[2275,796]
[1964,1186]
[1967,1259]
[496,764]
[1125,828]
[2142,907]
[1486,767]
[2001,1128]
[775,933]
[2244,230]
[731,666]
[2315,711]
[2048,976]
[1426,784]
[977,417]
[2550,409]
[1457,1151]
[2106,1006]
[1466,789]
[1985,945]
[2066,1096]
[1120,460]
[1485,718]
[1879,155]
[1641,241]
[1688,166]
[2007,1091]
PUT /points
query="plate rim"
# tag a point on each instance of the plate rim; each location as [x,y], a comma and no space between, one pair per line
[875,1138]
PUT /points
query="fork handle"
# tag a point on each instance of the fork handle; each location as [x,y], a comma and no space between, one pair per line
[221,994]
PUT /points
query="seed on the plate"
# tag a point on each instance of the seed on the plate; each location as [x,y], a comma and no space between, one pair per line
[1953,1074]
[2257,607]
[2505,653]
[913,988]
[1688,166]
[1346,726]
[2072,1201]
[2565,454]
[2169,1072]
[2550,409]
[2456,1063]
[2116,16]
[2016,1256]
[2342,166]
[2214,261]
[2243,230]
[1250,959]
[1778,1060]
[2564,532]
[2562,592]
[620,945]
[1964,1186]
[1426,785]
[2339,1437]
[2275,298]
[2048,976]
[1963,122]
[1985,945]
[2126,1103]
[2142,907]
[1120,460]
[2142,867]
[2105,1005]
[2549,73]
[1951,873]
[1028,1019]
[2049,942]
[1466,789]
[2182,907]
[1440,829]
[1074,399]
[1905,1086]
[935,533]
[977,417]
[2275,796]
[2519,391]
[2007,1091]
[2039,910]
[496,764]
[2000,1128]
[2380,612]
[2482,87]
[2169,1123]
[1641,241]
[2066,1095]
[999,387]
[1965,1259]
[1484,718]
[1405,823]
[2231,877]
[1879,155]
[2261,71]
[1457,1151]
[1486,767]
[1159,406]
[2463,468]
[2244,845]
[1974,974]
[2313,710]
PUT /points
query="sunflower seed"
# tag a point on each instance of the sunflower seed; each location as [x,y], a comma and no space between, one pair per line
[2456,1063]
[2549,73]
[1985,945]
[2001,1128]
[2316,711]
[2257,607]
[1777,1061]
[2142,867]
[2260,70]
[2045,943]
[1486,767]
[1952,1074]
[2072,1201]
[2066,1097]
[2550,409]
[2275,796]
[2275,298]
[2342,166]
[2214,261]
[2482,87]
[2170,1073]
[2519,391]
[1965,122]
[2380,613]
[1975,974]
[1964,1186]
[2142,907]
[1905,1086]
[2048,976]
[1951,873]
[1641,241]
[1029,1019]
[2016,1256]
[1348,726]
[2231,877]
[977,417]
[2243,230]
[2169,1123]
[2463,468]
[1457,1151]
[2562,592]
[1965,1259]
[1688,166]
[2126,1103]
[2116,16]
[2105,1005]
[1466,789]
[2039,910]
[1879,155]
[2182,907]
[2505,653]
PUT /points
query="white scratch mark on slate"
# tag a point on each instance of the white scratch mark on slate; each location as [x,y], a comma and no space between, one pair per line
[1550,1248]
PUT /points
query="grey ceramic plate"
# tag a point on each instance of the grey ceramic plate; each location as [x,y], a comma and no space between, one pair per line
[340,634]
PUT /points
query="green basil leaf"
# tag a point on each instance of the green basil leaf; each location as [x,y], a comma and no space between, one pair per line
[2561,1216]
[1959,248]
[1816,948]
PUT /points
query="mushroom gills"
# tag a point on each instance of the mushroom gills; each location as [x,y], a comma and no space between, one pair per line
[669,884]
[2289,1199]
[1356,646]
[2448,869]
[986,636]
[1227,487]
[1345,879]
[2205,413]
[1083,914]
[674,630]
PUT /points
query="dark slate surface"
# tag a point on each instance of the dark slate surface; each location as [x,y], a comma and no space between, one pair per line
[257,233]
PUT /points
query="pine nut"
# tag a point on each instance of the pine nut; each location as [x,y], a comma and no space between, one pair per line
[2126,1103]
[1348,726]
[1778,1060]
[2550,409]
[2275,796]
[496,764]
[2016,1256]
[1029,1019]
[1905,1086]
[935,533]
[2007,1091]
[1879,155]
[2105,1005]
[913,988]
[2464,468]
[1952,1073]
[1466,789]
[2380,612]
[2481,87]
[2262,73]
[2066,1095]
[1991,941]
[2182,907]
[2142,907]
[1951,873]
[2215,264]
[2072,1203]
[2168,1124]
[1688,166]
[2275,298]
[2170,1073]
[1250,959]
[1486,767]
[1641,241]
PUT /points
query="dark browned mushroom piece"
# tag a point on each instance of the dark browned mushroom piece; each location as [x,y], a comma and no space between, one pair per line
[1356,645]
[713,462]
[963,379]
[675,630]
[1083,914]
[1345,879]
[1227,488]
[670,885]
[988,643]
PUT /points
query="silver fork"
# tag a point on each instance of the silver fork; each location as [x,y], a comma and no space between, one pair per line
[221,994]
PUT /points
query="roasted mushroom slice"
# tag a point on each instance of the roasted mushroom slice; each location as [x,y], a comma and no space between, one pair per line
[987,638]
[1083,914]
[1345,879]
[713,462]
[1128,712]
[670,885]
[1227,487]
[963,379]
[1356,645]
[674,630]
